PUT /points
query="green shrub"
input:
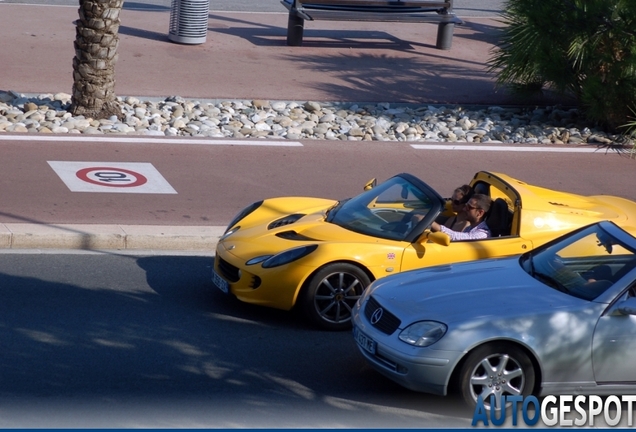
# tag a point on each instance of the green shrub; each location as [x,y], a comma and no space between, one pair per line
[580,48]
[630,133]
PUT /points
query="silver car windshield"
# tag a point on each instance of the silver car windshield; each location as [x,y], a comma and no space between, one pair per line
[583,265]
[391,210]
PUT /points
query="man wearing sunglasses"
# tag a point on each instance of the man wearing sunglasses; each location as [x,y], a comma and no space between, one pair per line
[460,197]
[476,210]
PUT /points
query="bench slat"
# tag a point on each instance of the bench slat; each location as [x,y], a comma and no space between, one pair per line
[407,3]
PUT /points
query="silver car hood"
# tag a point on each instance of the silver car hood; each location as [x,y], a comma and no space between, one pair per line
[496,288]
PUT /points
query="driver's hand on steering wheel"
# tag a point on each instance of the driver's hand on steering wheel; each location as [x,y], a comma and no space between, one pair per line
[416,218]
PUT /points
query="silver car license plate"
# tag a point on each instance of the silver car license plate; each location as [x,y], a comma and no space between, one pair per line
[364,341]
[220,282]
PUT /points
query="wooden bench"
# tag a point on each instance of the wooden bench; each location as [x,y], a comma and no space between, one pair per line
[434,11]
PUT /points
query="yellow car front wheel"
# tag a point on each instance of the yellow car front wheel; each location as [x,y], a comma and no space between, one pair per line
[330,295]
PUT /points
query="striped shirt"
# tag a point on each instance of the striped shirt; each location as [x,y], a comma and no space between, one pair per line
[479,231]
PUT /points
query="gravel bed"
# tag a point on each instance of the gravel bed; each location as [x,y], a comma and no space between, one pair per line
[176,116]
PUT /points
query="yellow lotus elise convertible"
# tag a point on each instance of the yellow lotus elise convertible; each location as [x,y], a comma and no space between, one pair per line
[319,254]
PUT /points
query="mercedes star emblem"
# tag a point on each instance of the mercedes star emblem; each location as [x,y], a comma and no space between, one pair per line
[376,316]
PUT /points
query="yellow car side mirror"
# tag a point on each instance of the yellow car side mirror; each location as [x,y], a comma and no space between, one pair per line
[439,238]
[370,184]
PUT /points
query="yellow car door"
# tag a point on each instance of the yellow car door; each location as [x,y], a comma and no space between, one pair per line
[427,253]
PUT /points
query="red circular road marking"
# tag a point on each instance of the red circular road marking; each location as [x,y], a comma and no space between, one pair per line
[111,178]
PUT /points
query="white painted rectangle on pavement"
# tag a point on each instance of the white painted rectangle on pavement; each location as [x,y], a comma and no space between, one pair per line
[112,177]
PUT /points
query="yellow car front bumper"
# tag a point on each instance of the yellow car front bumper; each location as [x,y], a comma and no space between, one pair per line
[275,287]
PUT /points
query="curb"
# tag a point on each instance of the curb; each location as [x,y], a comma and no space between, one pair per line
[109,237]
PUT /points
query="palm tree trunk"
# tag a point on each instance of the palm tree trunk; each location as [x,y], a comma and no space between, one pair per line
[96,43]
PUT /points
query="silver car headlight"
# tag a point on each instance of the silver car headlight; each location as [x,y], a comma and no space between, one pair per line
[423,333]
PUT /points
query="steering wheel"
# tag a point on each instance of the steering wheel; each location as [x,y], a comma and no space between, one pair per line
[399,227]
[388,212]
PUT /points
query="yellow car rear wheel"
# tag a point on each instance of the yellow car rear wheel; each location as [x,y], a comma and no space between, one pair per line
[330,295]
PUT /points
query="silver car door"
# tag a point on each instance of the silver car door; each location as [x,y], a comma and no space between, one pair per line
[614,344]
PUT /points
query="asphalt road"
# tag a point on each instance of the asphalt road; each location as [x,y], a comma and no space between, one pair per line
[115,341]
[486,8]
[134,341]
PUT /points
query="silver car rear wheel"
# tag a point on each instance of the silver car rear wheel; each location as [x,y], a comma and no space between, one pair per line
[330,295]
[496,369]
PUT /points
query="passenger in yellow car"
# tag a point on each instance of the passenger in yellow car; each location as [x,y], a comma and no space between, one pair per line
[459,221]
[476,210]
[460,197]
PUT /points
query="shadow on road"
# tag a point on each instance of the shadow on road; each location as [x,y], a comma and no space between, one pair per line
[145,34]
[145,7]
[181,339]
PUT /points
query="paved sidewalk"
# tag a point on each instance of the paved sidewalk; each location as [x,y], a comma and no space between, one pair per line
[245,57]
[109,237]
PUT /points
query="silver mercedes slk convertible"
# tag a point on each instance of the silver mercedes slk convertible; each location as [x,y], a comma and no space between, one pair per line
[560,319]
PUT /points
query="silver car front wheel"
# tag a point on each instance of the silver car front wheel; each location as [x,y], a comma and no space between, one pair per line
[496,369]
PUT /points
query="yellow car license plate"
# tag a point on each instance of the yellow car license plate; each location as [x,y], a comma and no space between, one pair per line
[220,282]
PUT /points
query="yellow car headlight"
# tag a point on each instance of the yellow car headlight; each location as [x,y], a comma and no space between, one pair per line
[288,256]
[229,233]
[246,211]
[258,259]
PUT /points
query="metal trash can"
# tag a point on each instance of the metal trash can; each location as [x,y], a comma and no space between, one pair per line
[189,21]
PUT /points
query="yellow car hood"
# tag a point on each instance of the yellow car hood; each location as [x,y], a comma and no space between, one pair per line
[256,239]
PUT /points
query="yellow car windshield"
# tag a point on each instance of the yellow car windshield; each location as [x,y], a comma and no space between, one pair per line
[391,210]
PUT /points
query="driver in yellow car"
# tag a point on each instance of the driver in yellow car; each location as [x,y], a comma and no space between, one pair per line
[476,210]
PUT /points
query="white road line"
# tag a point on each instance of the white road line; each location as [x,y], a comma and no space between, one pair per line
[267,142]
[600,150]
[137,139]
